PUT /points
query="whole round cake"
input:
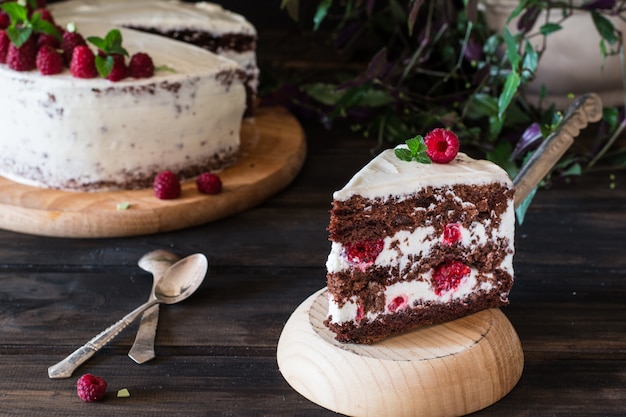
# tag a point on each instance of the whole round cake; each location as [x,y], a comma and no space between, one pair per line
[89,134]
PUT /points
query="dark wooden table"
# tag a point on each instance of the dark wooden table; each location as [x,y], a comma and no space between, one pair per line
[216,352]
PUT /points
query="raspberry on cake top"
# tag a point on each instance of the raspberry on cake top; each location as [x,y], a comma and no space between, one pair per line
[95,134]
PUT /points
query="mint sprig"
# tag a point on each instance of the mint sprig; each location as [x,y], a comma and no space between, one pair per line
[110,45]
[416,151]
[22,27]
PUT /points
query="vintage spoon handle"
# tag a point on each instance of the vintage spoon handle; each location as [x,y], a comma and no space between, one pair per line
[587,108]
[66,367]
[157,263]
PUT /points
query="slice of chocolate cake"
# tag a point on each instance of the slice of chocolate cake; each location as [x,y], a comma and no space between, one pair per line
[415,244]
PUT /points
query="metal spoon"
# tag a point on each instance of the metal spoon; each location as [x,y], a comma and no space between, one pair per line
[179,282]
[157,263]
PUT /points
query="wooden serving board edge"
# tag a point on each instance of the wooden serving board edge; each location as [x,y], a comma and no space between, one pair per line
[272,153]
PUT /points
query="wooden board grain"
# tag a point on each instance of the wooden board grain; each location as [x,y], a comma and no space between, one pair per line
[272,152]
[451,369]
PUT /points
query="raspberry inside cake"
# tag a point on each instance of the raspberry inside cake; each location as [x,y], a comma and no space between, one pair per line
[418,244]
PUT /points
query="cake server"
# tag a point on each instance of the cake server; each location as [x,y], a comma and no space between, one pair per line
[586,108]
[157,263]
[179,281]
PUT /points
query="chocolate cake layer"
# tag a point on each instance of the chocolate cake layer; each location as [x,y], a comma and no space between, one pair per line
[361,219]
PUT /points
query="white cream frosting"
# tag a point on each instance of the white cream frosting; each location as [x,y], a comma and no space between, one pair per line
[160,14]
[165,15]
[386,176]
[60,128]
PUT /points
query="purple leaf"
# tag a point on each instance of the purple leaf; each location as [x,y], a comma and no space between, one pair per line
[528,19]
[415,8]
[599,5]
[473,50]
[531,136]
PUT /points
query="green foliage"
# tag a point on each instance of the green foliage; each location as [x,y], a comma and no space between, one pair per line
[415,151]
[110,45]
[438,64]
[23,26]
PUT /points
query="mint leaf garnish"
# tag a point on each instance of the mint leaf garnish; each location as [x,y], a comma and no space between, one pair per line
[111,44]
[104,65]
[22,27]
[416,151]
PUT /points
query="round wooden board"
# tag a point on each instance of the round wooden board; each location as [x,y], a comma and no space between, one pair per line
[451,369]
[273,149]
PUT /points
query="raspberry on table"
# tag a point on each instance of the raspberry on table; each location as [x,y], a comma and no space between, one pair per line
[83,64]
[49,61]
[442,145]
[209,183]
[91,388]
[141,66]
[166,185]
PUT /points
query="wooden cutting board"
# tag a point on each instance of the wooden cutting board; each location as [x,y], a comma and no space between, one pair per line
[272,152]
[451,369]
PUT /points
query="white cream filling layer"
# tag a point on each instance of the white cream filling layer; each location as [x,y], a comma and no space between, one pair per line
[412,292]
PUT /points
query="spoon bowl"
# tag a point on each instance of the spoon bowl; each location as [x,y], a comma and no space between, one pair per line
[179,281]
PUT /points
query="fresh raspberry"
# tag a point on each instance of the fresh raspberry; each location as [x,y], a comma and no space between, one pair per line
[45,39]
[360,313]
[209,183]
[141,66]
[45,15]
[83,63]
[5,20]
[4,46]
[442,145]
[451,233]
[448,276]
[91,388]
[398,303]
[119,71]
[363,252]
[166,185]
[23,58]
[49,60]
[70,41]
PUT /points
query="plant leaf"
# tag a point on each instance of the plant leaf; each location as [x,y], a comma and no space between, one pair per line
[104,65]
[549,28]
[511,49]
[513,81]
[321,12]
[19,35]
[16,12]
[403,154]
[520,211]
[604,27]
